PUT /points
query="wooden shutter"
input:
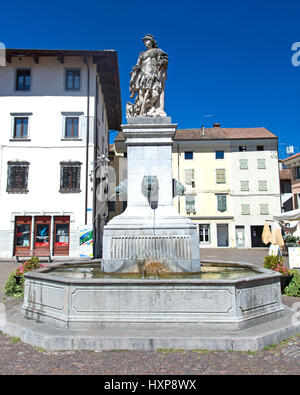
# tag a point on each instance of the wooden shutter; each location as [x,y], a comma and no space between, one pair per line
[262,185]
[222,202]
[264,209]
[190,203]
[245,209]
[189,176]
[261,163]
[243,164]
[220,176]
[244,185]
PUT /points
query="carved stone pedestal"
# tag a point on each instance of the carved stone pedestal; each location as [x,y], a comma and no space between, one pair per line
[150,228]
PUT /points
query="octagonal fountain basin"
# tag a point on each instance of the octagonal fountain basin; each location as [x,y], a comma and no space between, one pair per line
[223,296]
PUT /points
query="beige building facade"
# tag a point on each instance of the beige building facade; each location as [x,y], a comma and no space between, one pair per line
[231,180]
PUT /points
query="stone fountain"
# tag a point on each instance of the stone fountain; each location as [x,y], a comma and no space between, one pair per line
[150,290]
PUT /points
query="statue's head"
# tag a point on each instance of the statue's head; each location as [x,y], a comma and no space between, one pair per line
[150,39]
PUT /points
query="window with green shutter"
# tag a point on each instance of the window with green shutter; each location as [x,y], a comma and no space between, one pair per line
[220,176]
[190,204]
[189,176]
[243,164]
[222,203]
[244,185]
[245,209]
[264,209]
[262,185]
[261,163]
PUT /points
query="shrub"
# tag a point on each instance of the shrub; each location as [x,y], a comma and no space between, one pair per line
[293,289]
[291,241]
[275,262]
[14,287]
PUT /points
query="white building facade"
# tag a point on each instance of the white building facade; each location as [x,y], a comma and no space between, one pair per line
[254,189]
[56,110]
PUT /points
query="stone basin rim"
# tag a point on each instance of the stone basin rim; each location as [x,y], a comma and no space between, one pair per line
[43,275]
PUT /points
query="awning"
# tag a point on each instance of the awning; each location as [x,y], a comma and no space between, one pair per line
[293,215]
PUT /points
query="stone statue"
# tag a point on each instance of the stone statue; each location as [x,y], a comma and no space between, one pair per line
[147,81]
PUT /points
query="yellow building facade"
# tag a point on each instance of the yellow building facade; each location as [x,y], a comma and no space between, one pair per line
[231,181]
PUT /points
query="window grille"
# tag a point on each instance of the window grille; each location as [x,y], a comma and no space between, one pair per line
[17,177]
[70,177]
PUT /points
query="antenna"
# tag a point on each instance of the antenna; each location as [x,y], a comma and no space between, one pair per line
[207,116]
[290,150]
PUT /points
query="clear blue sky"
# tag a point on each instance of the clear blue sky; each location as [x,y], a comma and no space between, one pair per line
[230,59]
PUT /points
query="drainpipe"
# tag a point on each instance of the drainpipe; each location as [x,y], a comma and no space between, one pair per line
[281,207]
[178,175]
[95,241]
[87,140]
[1,154]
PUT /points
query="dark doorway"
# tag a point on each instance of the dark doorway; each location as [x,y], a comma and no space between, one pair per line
[222,235]
[256,235]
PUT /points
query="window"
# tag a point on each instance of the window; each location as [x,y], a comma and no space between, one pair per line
[262,185]
[70,177]
[189,177]
[245,209]
[204,233]
[17,177]
[219,154]
[73,80]
[260,148]
[220,176]
[261,163]
[242,148]
[296,201]
[244,186]
[243,164]
[23,80]
[190,204]
[296,172]
[72,127]
[264,209]
[20,128]
[188,155]
[221,203]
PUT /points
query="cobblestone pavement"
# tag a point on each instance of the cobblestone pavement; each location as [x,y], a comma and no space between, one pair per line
[19,358]
[281,359]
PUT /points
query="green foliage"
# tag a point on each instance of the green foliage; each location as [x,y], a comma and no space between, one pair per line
[12,288]
[275,262]
[293,289]
[291,241]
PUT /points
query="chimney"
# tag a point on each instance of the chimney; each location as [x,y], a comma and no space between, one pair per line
[216,125]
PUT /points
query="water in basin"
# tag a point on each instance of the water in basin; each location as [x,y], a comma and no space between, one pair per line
[210,271]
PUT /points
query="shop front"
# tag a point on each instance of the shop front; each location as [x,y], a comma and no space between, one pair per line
[50,234]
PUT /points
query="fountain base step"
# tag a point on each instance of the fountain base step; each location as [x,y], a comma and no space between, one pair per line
[39,334]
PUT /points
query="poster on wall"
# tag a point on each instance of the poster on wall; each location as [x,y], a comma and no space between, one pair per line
[86,241]
[294,257]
